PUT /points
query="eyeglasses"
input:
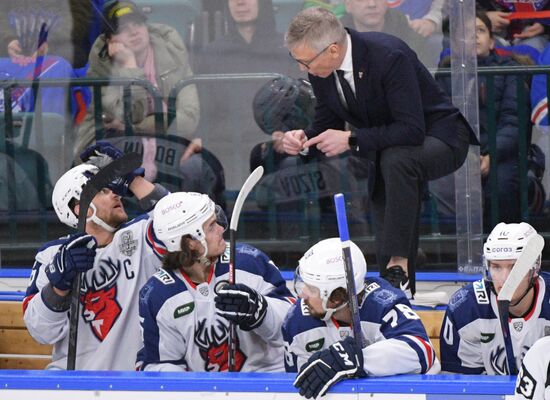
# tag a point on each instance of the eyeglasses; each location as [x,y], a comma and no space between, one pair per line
[308,63]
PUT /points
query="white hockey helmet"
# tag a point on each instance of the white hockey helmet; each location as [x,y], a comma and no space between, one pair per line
[184,213]
[322,267]
[506,242]
[69,187]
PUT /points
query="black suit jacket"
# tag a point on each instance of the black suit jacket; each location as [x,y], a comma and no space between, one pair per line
[400,102]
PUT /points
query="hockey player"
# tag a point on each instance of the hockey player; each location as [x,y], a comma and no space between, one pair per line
[117,258]
[187,306]
[317,328]
[471,336]
[533,379]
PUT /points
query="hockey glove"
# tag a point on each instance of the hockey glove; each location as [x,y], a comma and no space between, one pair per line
[103,153]
[75,256]
[343,359]
[241,305]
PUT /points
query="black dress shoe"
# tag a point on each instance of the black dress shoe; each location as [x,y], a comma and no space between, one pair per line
[397,277]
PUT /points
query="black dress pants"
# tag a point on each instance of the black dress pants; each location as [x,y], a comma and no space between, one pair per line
[401,174]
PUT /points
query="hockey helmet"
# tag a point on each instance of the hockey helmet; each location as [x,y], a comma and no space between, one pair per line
[69,187]
[322,269]
[184,213]
[506,242]
[284,103]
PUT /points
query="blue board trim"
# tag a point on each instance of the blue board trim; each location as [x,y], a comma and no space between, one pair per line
[248,382]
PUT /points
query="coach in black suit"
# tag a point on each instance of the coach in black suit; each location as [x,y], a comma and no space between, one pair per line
[398,117]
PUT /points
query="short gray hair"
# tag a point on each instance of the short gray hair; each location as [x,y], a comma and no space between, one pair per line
[315,26]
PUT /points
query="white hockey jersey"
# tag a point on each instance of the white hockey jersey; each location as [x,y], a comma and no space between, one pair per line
[183,332]
[397,342]
[108,328]
[471,336]
[533,381]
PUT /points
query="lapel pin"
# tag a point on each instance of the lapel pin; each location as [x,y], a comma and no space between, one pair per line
[360,74]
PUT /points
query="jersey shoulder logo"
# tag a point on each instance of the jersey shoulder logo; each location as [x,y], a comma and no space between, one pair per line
[304,308]
[371,288]
[480,292]
[127,244]
[164,277]
[224,258]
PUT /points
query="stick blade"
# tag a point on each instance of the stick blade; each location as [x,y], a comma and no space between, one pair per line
[247,187]
[525,261]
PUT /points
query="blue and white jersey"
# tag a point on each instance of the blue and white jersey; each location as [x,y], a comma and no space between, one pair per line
[397,342]
[183,332]
[471,336]
[108,329]
[533,382]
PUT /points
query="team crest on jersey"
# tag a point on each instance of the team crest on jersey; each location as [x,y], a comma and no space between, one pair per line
[184,310]
[212,341]
[98,296]
[316,345]
[344,333]
[518,326]
[127,243]
[164,277]
[203,289]
[487,337]
[480,292]
[498,361]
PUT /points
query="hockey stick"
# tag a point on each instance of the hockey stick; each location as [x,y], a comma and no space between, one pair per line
[348,267]
[247,187]
[104,176]
[531,251]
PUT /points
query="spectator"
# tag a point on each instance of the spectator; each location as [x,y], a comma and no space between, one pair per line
[116,258]
[530,31]
[131,48]
[187,307]
[317,328]
[471,336]
[377,16]
[251,45]
[505,106]
[532,382]
[66,31]
[413,138]
[425,16]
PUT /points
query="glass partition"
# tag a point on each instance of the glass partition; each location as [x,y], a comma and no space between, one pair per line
[205,102]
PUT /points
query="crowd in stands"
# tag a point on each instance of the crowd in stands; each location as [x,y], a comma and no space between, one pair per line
[225,127]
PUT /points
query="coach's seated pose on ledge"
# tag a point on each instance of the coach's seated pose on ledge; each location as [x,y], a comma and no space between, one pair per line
[117,257]
[317,328]
[400,119]
[471,336]
[186,308]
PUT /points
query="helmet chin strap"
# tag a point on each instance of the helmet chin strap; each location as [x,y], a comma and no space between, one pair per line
[203,259]
[330,311]
[99,221]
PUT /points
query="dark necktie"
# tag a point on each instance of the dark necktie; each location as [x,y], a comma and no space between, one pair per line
[351,102]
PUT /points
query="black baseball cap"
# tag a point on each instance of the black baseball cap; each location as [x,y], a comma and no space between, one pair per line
[115,12]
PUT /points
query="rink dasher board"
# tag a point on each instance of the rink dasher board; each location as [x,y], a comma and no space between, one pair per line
[83,385]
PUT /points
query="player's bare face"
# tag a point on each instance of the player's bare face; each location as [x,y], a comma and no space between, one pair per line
[500,270]
[213,233]
[134,35]
[311,296]
[110,208]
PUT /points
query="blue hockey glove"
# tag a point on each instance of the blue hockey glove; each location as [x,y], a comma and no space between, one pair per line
[103,153]
[75,256]
[241,305]
[343,359]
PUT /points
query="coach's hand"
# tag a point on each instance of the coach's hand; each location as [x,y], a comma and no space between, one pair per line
[293,141]
[343,359]
[241,305]
[75,256]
